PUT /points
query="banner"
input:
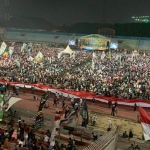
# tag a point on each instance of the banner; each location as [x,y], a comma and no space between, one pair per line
[3,47]
[79,94]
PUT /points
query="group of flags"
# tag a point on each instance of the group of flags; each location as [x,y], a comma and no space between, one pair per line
[5,51]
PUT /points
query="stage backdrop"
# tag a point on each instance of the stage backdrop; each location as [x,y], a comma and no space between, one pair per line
[94,42]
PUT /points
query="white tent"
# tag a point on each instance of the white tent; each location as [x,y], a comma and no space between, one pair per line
[68,50]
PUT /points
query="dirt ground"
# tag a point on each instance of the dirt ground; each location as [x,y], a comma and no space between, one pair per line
[125,124]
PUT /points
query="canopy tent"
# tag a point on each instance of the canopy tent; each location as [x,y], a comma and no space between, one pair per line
[68,50]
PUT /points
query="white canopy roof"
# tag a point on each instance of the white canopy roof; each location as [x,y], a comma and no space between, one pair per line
[68,50]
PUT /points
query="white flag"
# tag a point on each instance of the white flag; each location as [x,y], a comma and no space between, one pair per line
[3,47]
[11,50]
[93,65]
[73,56]
[94,55]
[30,58]
[59,55]
[39,57]
[103,55]
[23,47]
[30,44]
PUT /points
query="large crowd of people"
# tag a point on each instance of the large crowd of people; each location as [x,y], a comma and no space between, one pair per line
[23,69]
[24,137]
[120,74]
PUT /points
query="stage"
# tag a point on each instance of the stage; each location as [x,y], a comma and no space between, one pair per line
[94,42]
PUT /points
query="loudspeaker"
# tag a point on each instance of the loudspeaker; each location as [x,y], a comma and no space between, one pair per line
[107,43]
[68,128]
[76,41]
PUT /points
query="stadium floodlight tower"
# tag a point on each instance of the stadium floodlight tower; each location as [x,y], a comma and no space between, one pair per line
[7,15]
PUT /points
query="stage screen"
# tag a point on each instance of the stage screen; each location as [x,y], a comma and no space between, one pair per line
[93,44]
[113,45]
[71,42]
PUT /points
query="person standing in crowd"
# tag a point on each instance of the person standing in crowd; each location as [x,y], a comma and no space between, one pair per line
[125,135]
[109,103]
[109,124]
[94,136]
[94,119]
[93,101]
[113,110]
[55,101]
[80,102]
[115,103]
[61,97]
[116,111]
[130,135]
[135,106]
[72,101]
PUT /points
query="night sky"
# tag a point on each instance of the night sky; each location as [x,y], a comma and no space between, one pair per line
[72,11]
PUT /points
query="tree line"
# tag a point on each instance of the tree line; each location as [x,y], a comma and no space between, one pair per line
[121,29]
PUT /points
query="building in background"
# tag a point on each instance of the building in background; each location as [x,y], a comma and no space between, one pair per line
[141,19]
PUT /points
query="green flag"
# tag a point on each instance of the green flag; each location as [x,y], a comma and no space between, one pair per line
[1,98]
[1,115]
[39,120]
[88,63]
[1,111]
[84,114]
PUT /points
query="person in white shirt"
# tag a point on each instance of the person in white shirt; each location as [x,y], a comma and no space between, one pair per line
[72,100]
[80,101]
[20,143]
[109,123]
[46,138]
[94,119]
